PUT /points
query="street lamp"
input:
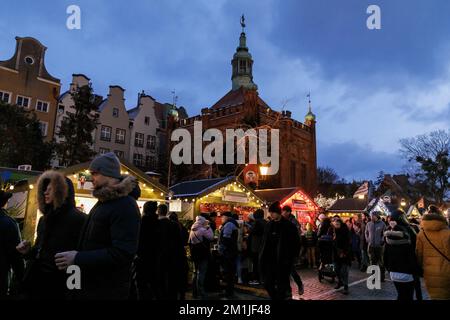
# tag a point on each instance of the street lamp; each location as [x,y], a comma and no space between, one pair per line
[263,170]
[403,203]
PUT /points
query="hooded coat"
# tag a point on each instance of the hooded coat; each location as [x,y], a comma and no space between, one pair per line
[58,230]
[436,268]
[109,242]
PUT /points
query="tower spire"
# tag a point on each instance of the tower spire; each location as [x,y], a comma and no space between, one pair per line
[242,63]
[309,100]
[309,116]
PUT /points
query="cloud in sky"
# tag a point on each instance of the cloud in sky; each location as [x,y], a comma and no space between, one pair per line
[369,88]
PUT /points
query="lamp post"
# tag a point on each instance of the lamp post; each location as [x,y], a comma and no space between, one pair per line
[263,170]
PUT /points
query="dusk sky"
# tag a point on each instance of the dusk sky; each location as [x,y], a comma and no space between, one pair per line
[369,88]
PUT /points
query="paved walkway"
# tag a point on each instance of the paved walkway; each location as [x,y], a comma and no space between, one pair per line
[315,290]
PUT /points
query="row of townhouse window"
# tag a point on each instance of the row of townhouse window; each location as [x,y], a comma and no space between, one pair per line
[25,102]
[106,135]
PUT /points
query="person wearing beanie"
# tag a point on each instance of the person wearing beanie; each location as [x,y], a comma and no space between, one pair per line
[200,238]
[280,247]
[109,239]
[399,257]
[374,235]
[433,255]
[228,250]
[9,239]
[58,230]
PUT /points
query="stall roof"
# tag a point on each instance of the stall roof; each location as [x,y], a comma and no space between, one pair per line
[349,205]
[16,174]
[140,175]
[272,195]
[197,188]
[377,204]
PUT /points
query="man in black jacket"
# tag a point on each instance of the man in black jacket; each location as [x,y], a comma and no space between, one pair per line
[148,253]
[281,244]
[169,263]
[9,239]
[228,251]
[109,239]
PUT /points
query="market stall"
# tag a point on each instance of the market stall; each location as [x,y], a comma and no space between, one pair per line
[382,205]
[303,207]
[80,176]
[347,208]
[219,195]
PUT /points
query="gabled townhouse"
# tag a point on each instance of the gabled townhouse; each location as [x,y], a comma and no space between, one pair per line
[25,81]
[113,131]
[144,140]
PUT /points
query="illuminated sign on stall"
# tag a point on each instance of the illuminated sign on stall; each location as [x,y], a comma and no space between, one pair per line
[234,196]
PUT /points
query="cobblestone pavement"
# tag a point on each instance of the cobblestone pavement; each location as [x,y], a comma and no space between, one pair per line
[315,290]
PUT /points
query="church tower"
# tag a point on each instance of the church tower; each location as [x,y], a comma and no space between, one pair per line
[242,64]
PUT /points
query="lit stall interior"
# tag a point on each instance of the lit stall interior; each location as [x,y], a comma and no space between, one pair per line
[84,201]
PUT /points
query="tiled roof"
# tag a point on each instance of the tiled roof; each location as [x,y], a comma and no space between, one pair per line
[235,98]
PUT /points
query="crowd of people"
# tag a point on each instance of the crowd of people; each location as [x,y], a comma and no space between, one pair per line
[123,255]
[407,249]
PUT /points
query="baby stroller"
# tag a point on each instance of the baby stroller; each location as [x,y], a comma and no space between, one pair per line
[326,268]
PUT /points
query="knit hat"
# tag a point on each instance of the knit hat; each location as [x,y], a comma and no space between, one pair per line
[107,164]
[275,207]
[322,216]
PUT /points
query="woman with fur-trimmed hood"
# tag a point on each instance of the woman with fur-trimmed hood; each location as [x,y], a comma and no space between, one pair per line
[58,230]
[433,254]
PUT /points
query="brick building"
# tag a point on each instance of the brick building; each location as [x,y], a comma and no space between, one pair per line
[242,107]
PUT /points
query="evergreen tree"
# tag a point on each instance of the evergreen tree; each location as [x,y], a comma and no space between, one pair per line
[77,127]
[22,141]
